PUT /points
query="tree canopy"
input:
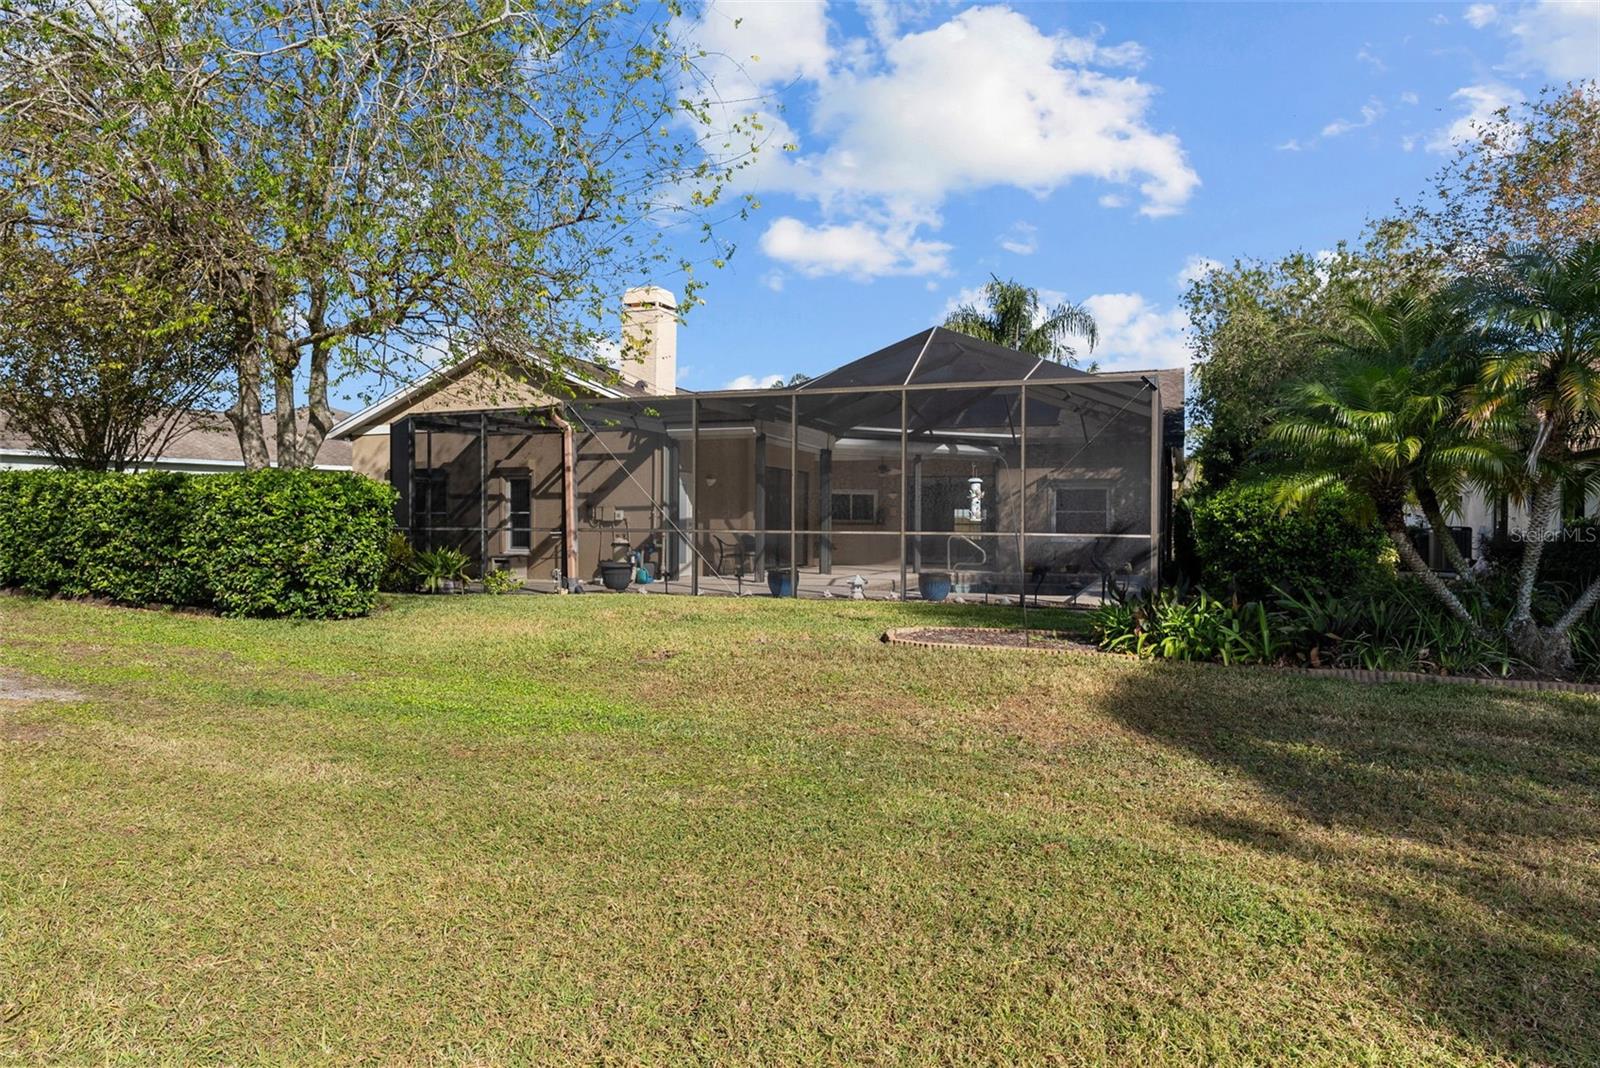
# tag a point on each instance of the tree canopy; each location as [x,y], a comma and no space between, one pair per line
[369,185]
[1012,314]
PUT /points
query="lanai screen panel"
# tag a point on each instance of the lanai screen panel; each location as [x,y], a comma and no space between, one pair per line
[1088,484]
[743,517]
[633,468]
[850,514]
[445,507]
[964,484]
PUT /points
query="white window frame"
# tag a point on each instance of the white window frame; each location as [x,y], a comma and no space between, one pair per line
[511,514]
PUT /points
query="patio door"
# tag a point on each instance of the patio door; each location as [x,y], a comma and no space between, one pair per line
[777,512]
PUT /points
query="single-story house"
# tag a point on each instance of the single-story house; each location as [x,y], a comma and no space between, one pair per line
[203,445]
[936,458]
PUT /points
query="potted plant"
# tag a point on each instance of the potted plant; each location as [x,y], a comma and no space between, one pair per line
[442,570]
[934,585]
[616,574]
[780,580]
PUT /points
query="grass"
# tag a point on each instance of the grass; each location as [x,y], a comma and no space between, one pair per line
[658,830]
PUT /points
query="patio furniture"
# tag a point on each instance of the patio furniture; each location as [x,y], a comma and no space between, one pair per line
[741,549]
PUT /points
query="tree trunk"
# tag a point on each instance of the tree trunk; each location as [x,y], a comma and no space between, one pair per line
[1528,640]
[1396,529]
[319,413]
[245,415]
[1429,500]
[1579,609]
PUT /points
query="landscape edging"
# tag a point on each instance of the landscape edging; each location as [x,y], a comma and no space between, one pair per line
[895,636]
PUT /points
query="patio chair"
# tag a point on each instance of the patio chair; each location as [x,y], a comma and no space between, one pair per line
[741,549]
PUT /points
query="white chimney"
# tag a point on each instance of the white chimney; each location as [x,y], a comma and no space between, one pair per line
[650,332]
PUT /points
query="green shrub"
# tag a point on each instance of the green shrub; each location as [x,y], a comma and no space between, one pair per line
[265,543]
[291,543]
[1172,626]
[399,565]
[1247,544]
[500,581]
[1384,624]
[437,566]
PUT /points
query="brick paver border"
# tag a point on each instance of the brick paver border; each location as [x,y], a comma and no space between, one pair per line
[897,636]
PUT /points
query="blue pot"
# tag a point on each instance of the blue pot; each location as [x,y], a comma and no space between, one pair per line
[935,585]
[780,580]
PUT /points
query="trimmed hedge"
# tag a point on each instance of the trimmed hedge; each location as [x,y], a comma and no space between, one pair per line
[308,544]
[1247,544]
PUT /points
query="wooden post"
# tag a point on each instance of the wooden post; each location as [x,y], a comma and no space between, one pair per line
[569,506]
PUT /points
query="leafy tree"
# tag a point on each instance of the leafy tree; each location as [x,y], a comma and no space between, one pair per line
[1529,175]
[1546,375]
[1011,315]
[1256,327]
[105,353]
[368,181]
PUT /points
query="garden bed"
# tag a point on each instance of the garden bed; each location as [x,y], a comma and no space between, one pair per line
[1056,642]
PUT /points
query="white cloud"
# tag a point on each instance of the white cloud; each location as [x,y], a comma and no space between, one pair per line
[1480,15]
[768,43]
[1136,334]
[1409,98]
[898,121]
[753,382]
[1370,58]
[1196,268]
[986,99]
[1113,200]
[1371,112]
[859,249]
[1558,37]
[972,295]
[1021,240]
[1478,105]
[773,280]
[1292,145]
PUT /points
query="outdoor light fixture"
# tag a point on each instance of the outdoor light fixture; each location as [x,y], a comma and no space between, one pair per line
[711,480]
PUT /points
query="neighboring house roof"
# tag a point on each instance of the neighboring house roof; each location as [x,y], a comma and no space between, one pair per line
[206,443]
[581,375]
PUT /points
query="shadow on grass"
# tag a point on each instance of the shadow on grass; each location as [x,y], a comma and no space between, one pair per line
[1465,826]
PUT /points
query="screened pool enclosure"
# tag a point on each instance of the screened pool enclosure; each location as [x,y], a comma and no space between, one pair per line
[939,465]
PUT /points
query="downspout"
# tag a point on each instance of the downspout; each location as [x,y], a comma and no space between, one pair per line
[569,506]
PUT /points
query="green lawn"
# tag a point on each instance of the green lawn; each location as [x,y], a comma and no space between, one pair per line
[648,829]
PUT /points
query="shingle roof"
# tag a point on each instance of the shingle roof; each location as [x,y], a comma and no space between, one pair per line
[208,438]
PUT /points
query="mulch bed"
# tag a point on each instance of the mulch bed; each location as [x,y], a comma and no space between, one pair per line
[1045,641]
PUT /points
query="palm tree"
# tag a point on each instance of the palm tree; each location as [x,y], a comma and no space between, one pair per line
[1012,316]
[1546,306]
[1386,421]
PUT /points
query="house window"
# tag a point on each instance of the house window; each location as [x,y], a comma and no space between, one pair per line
[519,494]
[851,507]
[1082,510]
[430,501]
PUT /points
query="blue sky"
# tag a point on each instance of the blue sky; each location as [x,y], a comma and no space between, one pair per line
[1096,151]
